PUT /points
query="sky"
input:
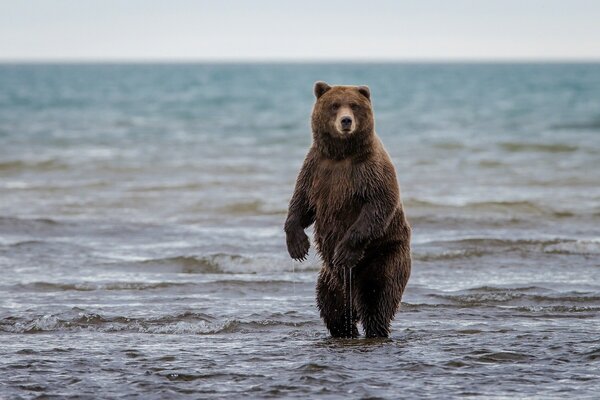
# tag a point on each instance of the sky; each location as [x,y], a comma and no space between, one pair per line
[301,30]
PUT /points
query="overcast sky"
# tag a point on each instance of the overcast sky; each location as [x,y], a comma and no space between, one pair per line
[299,30]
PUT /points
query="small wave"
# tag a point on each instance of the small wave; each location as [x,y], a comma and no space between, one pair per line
[238,208]
[500,357]
[480,243]
[448,255]
[516,147]
[42,165]
[593,125]
[491,163]
[574,247]
[467,248]
[185,323]
[169,187]
[479,299]
[192,264]
[81,321]
[593,354]
[140,286]
[26,244]
[559,309]
[92,286]
[187,377]
[219,263]
[450,250]
[313,367]
[526,297]
[521,207]
[449,145]
[42,247]
[255,207]
[26,222]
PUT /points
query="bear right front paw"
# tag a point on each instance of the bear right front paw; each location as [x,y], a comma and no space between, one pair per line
[298,245]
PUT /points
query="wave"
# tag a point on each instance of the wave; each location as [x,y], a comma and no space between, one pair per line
[466,248]
[41,165]
[522,207]
[559,309]
[229,376]
[473,245]
[447,255]
[26,222]
[450,145]
[26,244]
[219,263]
[491,163]
[517,147]
[256,207]
[478,246]
[238,209]
[590,246]
[495,357]
[525,297]
[191,264]
[41,247]
[593,125]
[90,286]
[184,323]
[140,286]
[497,242]
[170,187]
[526,207]
[554,311]
[26,227]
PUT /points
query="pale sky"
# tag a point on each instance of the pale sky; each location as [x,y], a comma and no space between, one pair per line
[369,30]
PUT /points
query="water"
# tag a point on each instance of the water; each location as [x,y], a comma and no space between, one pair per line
[142,251]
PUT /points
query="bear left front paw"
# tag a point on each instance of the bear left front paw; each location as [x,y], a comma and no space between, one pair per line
[346,257]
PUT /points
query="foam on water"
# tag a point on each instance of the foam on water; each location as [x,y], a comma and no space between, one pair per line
[575,247]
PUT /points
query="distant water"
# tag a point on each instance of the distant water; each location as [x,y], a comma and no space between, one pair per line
[142,251]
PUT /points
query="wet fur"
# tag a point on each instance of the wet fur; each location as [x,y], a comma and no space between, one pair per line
[348,188]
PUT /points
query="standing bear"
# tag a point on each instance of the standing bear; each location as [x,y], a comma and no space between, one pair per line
[348,188]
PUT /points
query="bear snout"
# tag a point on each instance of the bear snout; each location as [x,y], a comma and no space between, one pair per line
[346,122]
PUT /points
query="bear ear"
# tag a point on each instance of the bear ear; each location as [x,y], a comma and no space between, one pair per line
[365,91]
[320,88]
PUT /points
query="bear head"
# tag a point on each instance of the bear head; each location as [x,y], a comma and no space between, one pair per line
[342,119]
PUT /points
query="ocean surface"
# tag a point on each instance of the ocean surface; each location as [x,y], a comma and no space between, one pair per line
[142,252]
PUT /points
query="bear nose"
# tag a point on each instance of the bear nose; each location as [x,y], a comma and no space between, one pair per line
[346,121]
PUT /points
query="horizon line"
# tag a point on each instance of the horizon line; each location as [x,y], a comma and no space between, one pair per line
[149,60]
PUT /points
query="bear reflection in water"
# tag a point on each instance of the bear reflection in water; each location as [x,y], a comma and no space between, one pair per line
[348,188]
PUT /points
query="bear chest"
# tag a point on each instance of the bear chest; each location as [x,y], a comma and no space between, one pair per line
[335,189]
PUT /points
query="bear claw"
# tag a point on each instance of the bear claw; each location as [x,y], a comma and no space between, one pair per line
[346,257]
[298,246]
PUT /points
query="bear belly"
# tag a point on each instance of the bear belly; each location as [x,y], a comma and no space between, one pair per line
[331,226]
[336,203]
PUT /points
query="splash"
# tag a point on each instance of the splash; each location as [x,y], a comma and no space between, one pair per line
[351,300]
[348,303]
[294,279]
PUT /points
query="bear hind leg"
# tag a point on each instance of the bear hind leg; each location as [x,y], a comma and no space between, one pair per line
[379,293]
[377,313]
[334,305]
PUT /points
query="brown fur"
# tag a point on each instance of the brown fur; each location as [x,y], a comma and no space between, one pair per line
[348,188]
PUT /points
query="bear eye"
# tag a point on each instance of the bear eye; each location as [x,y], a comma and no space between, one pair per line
[354,106]
[335,106]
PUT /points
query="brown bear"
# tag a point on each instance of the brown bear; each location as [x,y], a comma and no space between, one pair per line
[348,188]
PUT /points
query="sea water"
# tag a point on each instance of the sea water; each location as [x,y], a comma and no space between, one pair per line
[142,250]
